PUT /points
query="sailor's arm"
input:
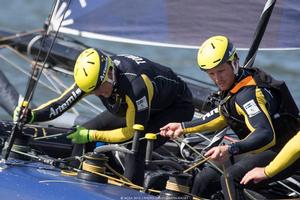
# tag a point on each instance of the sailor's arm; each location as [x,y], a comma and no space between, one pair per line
[138,109]
[119,134]
[252,105]
[58,106]
[211,121]
[83,135]
[288,155]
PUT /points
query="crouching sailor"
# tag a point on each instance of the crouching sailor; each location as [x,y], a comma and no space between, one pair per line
[134,90]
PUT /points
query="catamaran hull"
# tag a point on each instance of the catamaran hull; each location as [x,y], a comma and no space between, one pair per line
[36,181]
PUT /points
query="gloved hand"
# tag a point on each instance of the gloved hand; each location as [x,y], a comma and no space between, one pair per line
[80,136]
[28,116]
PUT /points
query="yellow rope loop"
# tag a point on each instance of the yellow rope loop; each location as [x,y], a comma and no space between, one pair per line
[177,188]
[92,168]
[88,157]
[68,173]
[196,198]
[100,171]
[180,188]
[119,182]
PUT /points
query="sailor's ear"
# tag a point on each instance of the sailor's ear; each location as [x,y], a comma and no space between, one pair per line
[236,62]
[235,65]
[110,72]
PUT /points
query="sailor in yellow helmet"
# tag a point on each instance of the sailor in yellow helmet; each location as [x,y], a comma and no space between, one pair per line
[92,69]
[253,104]
[216,51]
[219,51]
[134,90]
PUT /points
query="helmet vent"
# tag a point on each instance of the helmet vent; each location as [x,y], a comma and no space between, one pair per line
[85,72]
[92,87]
[213,46]
[216,60]
[91,62]
[90,54]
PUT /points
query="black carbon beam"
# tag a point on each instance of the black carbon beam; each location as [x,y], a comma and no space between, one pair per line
[260,30]
[65,52]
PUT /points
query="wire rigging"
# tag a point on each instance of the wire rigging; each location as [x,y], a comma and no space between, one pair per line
[31,85]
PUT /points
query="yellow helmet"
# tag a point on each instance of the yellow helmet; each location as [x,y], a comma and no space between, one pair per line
[91,69]
[215,51]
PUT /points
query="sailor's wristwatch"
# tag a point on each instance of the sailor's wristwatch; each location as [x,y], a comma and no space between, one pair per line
[233,149]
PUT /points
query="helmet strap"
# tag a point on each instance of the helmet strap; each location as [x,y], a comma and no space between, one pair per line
[113,79]
[235,65]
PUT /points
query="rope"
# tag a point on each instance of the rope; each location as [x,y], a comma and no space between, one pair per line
[3,39]
[197,164]
[198,153]
[117,173]
[132,185]
[180,188]
[49,136]
[94,168]
[227,184]
[177,187]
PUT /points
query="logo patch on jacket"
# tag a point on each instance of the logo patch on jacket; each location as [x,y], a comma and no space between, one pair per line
[142,104]
[209,114]
[251,108]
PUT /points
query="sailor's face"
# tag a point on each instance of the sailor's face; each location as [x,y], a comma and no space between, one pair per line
[105,90]
[223,76]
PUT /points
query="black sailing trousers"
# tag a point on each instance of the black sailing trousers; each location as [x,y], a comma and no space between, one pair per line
[209,180]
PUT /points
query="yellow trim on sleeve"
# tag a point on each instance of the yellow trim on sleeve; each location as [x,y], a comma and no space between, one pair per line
[241,112]
[287,156]
[120,134]
[149,87]
[261,102]
[112,136]
[130,113]
[125,133]
[213,125]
